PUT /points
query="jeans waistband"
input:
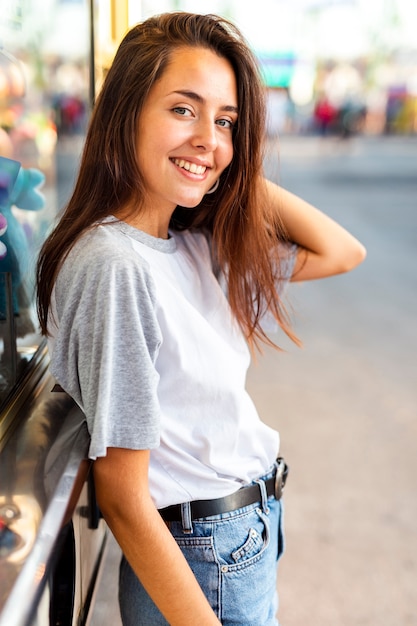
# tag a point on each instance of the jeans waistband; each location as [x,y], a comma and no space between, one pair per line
[242,497]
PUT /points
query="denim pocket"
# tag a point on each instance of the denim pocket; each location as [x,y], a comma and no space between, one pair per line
[242,540]
[251,547]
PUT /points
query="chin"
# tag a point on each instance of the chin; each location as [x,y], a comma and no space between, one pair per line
[190,203]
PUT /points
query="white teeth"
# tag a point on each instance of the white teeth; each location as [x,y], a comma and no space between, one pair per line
[190,167]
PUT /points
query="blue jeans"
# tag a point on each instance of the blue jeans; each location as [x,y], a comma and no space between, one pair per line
[234,558]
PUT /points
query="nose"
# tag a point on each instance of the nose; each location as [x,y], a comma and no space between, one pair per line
[205,135]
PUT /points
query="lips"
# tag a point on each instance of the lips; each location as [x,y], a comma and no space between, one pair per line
[190,167]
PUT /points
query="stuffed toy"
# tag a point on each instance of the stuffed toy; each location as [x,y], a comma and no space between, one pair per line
[19,187]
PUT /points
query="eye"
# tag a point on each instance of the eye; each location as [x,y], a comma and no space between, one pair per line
[182,111]
[225,123]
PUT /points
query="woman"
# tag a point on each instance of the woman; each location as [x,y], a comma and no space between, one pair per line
[153,288]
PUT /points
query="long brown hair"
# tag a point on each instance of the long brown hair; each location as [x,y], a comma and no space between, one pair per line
[243,227]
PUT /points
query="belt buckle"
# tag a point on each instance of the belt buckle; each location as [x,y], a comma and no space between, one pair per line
[280,477]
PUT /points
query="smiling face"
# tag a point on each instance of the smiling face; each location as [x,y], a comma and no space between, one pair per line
[185,134]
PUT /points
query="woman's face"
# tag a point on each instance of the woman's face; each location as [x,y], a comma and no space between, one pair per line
[186,128]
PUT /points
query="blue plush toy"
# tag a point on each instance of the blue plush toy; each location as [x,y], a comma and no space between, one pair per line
[19,187]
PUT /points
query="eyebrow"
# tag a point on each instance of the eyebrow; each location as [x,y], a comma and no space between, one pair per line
[197,98]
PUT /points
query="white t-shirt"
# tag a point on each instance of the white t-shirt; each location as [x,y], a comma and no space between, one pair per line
[146,343]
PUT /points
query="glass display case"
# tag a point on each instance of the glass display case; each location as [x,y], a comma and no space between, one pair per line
[52,538]
[45,93]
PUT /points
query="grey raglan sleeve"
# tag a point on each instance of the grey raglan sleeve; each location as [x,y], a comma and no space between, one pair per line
[106,346]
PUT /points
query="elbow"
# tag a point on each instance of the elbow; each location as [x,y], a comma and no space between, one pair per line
[336,259]
[361,253]
[357,256]
[352,258]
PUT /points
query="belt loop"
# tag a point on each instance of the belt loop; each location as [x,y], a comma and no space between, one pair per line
[264,495]
[186,521]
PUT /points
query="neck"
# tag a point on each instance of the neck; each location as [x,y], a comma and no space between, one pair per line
[151,222]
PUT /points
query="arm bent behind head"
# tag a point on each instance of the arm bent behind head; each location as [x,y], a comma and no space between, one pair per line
[326,248]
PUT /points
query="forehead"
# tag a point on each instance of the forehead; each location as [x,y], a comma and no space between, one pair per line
[191,67]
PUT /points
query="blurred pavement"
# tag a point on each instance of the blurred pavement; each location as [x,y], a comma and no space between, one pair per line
[345,404]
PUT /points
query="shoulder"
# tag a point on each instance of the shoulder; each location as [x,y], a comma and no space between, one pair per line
[103,260]
[103,242]
[104,248]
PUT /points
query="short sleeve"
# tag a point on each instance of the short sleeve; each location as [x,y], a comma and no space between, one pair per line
[107,341]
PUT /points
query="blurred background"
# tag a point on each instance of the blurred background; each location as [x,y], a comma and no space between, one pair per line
[341,82]
[330,66]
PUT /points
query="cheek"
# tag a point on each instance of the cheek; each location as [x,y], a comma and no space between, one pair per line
[227,156]
[145,144]
[159,143]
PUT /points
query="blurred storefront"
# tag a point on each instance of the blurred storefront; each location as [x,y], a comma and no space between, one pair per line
[359,55]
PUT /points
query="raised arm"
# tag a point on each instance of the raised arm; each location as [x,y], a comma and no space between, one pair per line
[121,480]
[326,248]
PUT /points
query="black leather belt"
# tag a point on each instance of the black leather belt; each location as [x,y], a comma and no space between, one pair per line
[242,497]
